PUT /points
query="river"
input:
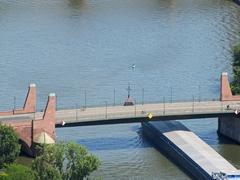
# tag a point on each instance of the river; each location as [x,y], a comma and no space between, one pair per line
[84,49]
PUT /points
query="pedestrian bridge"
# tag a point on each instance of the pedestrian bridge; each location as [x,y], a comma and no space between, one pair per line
[180,144]
[137,113]
[146,112]
[224,107]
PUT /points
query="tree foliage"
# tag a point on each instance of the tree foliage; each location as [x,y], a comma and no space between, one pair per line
[17,172]
[235,84]
[9,147]
[64,161]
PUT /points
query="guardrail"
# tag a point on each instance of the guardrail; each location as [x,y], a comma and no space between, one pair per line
[138,111]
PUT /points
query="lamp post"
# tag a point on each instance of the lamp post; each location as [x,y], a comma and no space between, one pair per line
[129,101]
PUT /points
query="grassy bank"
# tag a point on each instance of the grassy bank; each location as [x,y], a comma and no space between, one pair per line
[235,84]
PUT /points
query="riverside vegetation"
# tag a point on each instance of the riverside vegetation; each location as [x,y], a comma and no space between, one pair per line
[235,84]
[60,161]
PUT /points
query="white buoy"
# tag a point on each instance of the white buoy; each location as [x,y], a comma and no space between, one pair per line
[63,123]
[236,111]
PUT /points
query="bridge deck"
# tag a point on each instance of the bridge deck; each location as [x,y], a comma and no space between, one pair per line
[137,113]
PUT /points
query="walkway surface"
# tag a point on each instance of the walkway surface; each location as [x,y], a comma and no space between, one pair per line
[137,113]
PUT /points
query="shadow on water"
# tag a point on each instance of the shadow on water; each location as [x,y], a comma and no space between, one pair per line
[165,127]
[165,154]
[115,143]
[136,128]
[77,4]
[224,140]
[213,138]
[229,149]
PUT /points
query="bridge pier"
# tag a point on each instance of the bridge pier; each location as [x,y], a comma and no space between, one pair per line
[29,105]
[228,126]
[33,131]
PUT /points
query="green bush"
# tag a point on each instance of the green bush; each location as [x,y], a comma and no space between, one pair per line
[236,54]
[17,172]
[9,147]
[64,161]
[235,84]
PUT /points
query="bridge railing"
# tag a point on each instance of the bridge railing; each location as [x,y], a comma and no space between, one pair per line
[142,95]
[103,104]
[96,96]
[116,112]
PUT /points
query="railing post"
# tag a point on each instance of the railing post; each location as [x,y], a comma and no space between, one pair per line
[221,106]
[163,105]
[114,97]
[76,112]
[135,108]
[193,105]
[85,99]
[106,110]
[14,103]
[142,96]
[56,102]
[199,93]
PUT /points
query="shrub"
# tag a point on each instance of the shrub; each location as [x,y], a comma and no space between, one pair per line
[9,147]
[64,161]
[17,172]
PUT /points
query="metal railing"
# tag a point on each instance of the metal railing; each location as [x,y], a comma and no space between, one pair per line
[86,98]
[139,110]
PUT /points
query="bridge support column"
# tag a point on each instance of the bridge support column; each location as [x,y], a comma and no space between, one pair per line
[226,92]
[229,127]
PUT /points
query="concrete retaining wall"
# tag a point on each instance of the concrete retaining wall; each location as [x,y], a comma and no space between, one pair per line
[229,127]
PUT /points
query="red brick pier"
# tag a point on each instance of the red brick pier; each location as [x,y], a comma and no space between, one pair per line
[30,130]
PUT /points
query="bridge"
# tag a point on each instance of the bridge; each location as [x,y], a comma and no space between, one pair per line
[182,145]
[146,112]
[34,121]
[136,113]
